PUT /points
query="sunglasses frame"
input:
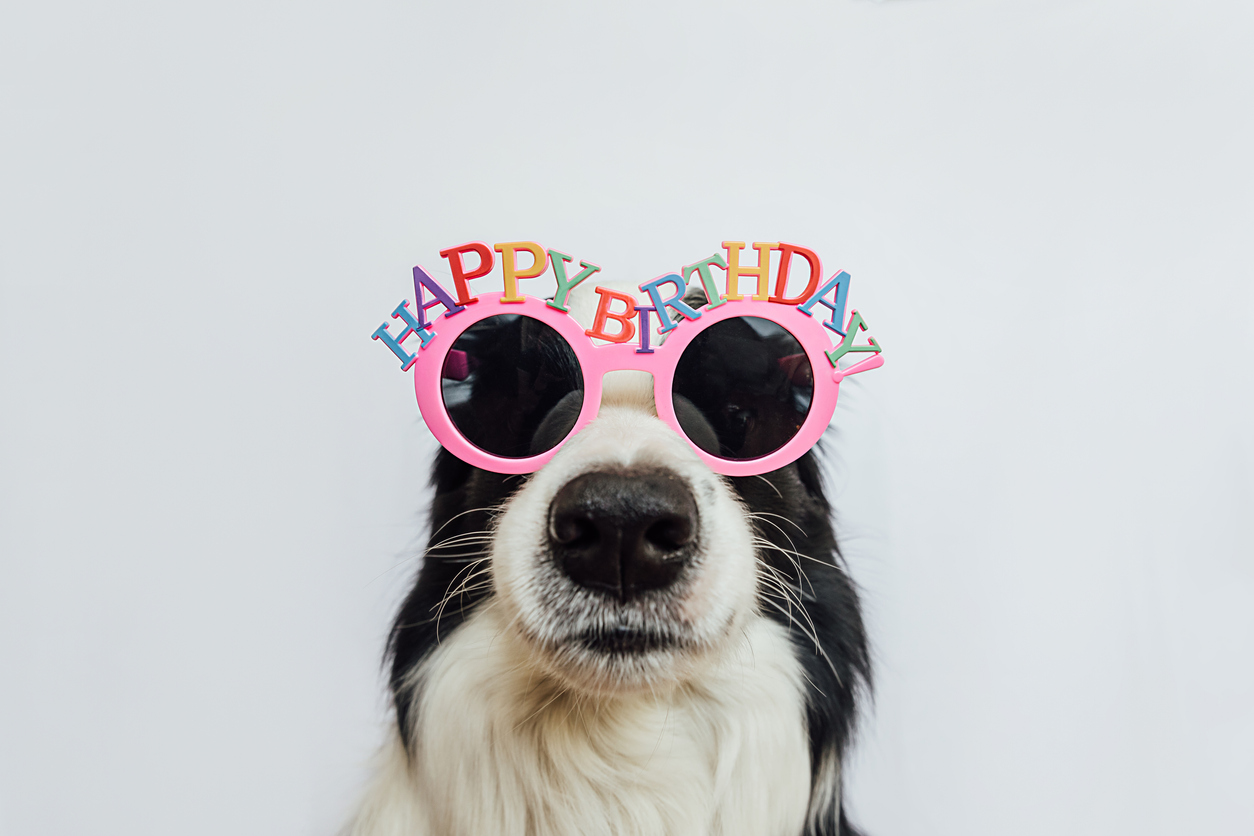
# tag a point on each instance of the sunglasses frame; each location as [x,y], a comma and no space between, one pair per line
[659,360]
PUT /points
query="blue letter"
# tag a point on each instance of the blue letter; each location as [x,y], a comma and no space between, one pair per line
[677,301]
[840,281]
[412,326]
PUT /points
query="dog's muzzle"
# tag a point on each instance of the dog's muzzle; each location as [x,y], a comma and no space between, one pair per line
[625,533]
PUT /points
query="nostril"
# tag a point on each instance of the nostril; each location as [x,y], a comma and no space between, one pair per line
[574,531]
[670,533]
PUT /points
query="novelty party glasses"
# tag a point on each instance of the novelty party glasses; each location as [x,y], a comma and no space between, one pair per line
[504,379]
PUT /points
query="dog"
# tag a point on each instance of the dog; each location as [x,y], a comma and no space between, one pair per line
[623,642]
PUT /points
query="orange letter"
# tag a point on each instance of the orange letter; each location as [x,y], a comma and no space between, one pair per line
[781,278]
[512,274]
[735,271]
[460,276]
[603,313]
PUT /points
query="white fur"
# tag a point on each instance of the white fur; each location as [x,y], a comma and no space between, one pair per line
[500,748]
[515,732]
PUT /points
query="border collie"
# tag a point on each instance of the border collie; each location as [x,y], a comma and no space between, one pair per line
[622,643]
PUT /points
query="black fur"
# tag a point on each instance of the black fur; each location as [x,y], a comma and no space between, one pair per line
[841,671]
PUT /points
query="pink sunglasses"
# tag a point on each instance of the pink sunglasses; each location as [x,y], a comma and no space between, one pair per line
[507,379]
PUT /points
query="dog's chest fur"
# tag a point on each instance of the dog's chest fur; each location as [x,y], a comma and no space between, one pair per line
[500,750]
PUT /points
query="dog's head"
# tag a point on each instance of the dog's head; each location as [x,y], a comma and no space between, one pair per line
[625,563]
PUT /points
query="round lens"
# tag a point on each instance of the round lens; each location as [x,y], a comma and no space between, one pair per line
[512,386]
[743,388]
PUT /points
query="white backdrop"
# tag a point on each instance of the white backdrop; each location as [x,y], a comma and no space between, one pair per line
[211,479]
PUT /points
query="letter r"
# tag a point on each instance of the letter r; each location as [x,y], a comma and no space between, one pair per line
[676,301]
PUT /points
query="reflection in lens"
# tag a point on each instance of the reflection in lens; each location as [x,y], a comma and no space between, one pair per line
[512,386]
[743,388]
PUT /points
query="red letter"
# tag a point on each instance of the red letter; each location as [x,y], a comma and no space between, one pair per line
[781,278]
[454,255]
[603,313]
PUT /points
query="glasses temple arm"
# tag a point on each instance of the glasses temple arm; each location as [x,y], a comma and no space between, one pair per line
[872,362]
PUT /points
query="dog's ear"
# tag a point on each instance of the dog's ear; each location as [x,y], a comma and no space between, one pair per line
[810,474]
[696,427]
[448,473]
[695,297]
[557,423]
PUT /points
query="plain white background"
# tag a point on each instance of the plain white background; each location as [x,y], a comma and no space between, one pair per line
[211,480]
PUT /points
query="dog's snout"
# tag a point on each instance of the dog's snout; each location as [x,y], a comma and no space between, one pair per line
[623,533]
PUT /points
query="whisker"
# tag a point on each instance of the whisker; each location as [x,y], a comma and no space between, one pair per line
[781,531]
[779,583]
[817,646]
[793,523]
[491,511]
[459,557]
[472,571]
[769,482]
[792,558]
[795,557]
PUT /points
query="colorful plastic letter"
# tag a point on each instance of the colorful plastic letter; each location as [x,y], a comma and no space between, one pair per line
[460,277]
[781,278]
[855,325]
[840,281]
[644,328]
[423,279]
[735,270]
[677,302]
[603,313]
[564,285]
[412,326]
[702,269]
[512,274]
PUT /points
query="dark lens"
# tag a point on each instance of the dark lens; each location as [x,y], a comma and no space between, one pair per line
[743,388]
[512,386]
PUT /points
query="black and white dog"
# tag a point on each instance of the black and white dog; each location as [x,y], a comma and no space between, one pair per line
[622,643]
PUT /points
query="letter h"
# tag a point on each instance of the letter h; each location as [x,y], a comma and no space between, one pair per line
[412,326]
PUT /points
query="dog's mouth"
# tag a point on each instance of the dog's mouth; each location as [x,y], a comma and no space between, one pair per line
[617,657]
[625,641]
[603,644]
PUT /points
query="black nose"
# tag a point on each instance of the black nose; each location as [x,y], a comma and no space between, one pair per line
[623,533]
